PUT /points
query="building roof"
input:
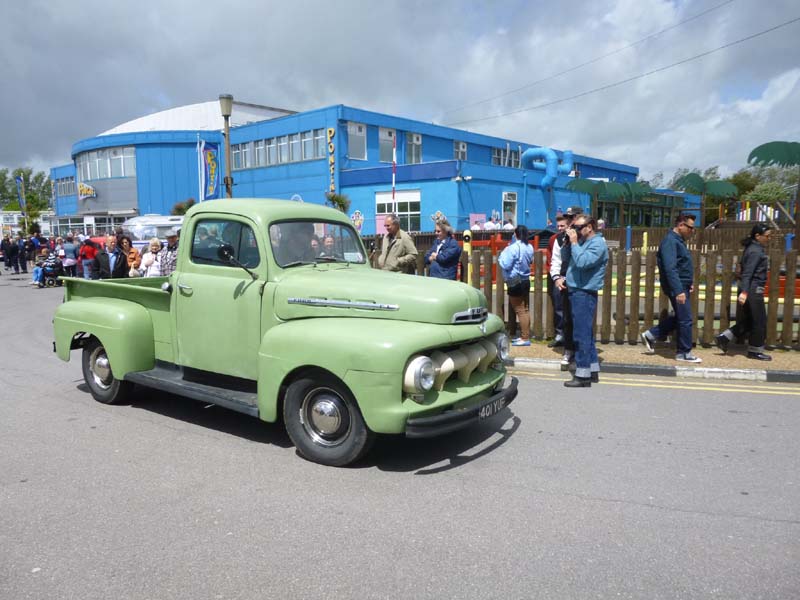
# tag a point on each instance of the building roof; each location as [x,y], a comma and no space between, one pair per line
[204,116]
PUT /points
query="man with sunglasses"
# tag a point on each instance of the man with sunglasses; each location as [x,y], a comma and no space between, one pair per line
[585,276]
[676,273]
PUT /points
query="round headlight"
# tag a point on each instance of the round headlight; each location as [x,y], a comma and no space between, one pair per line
[503,347]
[426,375]
[419,376]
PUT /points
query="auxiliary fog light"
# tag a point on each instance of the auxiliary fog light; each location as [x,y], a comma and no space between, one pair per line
[419,375]
[503,347]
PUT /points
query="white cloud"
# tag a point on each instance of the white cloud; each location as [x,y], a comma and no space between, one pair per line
[413,58]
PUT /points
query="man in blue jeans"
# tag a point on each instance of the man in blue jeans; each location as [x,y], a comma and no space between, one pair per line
[585,275]
[676,272]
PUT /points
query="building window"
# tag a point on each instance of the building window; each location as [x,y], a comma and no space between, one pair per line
[236,152]
[105,163]
[357,141]
[413,148]
[510,207]
[283,149]
[406,207]
[272,151]
[503,157]
[320,147]
[260,154]
[307,142]
[294,148]
[65,186]
[115,157]
[386,144]
[128,162]
[459,150]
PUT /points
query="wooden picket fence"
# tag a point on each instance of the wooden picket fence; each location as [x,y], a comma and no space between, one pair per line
[631,299]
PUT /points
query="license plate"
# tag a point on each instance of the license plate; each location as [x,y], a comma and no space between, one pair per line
[491,409]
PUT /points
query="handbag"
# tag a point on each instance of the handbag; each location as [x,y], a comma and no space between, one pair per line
[515,284]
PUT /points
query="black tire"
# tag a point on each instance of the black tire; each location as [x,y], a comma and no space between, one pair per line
[98,376]
[324,422]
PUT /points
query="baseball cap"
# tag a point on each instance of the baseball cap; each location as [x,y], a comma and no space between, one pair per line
[759,229]
[573,210]
[173,232]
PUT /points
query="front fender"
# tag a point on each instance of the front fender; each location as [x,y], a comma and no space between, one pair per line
[369,356]
[124,328]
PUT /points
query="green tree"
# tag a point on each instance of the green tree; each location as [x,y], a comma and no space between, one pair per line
[744,180]
[717,189]
[767,193]
[338,201]
[181,208]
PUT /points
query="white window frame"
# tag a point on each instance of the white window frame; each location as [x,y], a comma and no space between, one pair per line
[295,149]
[459,150]
[405,201]
[386,138]
[307,144]
[283,147]
[320,144]
[259,153]
[413,148]
[510,198]
[356,131]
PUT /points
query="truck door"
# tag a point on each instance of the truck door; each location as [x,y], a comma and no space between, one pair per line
[219,304]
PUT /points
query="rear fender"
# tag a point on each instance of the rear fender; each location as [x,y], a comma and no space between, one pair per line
[124,328]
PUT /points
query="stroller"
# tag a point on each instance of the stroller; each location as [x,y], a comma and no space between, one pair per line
[52,270]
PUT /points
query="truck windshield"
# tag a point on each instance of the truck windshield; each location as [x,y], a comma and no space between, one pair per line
[307,242]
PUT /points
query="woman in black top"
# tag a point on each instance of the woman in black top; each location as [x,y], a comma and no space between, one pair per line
[752,320]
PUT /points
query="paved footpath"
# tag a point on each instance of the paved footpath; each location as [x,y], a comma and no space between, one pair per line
[632,359]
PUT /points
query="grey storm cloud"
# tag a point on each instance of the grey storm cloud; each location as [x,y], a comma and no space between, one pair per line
[73,70]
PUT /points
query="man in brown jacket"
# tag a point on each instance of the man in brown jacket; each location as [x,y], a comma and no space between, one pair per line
[398,252]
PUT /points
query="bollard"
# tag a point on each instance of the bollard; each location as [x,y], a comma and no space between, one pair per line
[467,237]
[789,239]
[628,238]
[644,244]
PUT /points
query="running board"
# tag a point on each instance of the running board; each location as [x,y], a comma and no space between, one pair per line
[170,378]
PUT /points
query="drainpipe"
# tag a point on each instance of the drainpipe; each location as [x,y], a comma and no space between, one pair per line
[551,168]
[524,198]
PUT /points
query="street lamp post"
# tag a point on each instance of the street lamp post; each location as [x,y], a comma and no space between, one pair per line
[226,107]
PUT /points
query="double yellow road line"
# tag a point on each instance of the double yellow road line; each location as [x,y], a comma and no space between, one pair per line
[677,383]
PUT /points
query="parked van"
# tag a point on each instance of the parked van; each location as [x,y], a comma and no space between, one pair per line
[142,229]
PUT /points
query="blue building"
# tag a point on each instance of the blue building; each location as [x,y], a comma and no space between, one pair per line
[148,165]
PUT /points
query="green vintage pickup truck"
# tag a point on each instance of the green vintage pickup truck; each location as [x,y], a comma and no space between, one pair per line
[257,320]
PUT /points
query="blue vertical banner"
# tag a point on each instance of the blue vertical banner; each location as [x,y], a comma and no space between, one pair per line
[20,193]
[210,170]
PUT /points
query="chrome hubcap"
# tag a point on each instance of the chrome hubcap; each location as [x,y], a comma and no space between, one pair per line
[325,417]
[101,369]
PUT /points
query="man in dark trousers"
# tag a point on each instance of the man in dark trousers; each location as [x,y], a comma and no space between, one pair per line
[22,254]
[110,263]
[552,290]
[676,272]
[559,262]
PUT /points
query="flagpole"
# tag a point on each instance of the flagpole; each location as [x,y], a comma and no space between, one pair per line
[199,170]
[394,168]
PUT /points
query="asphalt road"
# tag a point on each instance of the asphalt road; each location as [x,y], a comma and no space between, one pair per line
[633,489]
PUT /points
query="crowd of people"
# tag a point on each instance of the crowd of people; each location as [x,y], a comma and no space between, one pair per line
[576,262]
[80,256]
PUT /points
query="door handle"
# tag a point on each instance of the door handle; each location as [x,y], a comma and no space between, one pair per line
[184,287]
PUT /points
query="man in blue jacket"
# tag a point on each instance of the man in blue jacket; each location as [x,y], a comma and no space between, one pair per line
[676,272]
[585,275]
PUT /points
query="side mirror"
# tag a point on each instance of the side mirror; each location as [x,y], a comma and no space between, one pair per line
[225,253]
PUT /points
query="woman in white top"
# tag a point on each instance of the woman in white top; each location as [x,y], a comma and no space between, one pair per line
[151,266]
